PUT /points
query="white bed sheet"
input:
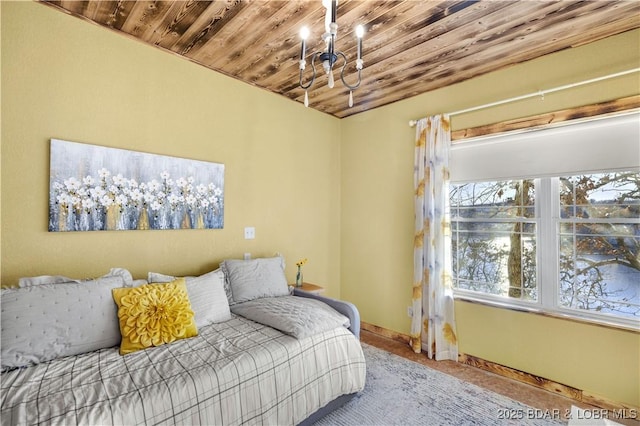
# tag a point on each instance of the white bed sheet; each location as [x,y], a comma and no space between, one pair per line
[236,372]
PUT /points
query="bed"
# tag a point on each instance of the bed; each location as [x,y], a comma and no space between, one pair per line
[236,371]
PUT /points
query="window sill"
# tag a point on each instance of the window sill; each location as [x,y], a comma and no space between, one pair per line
[544,313]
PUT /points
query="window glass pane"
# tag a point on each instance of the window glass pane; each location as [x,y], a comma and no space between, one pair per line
[604,230]
[600,285]
[494,238]
[495,200]
[501,228]
[481,257]
[599,243]
[567,200]
[604,195]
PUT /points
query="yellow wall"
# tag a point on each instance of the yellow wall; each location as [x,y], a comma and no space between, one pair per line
[341,195]
[65,78]
[377,220]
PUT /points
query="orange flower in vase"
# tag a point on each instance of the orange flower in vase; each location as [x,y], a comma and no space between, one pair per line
[299,274]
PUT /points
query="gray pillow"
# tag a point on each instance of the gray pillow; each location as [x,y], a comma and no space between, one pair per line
[48,321]
[297,316]
[255,278]
[206,295]
[58,279]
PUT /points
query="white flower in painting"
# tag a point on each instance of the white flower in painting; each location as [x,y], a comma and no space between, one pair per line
[149,197]
[161,195]
[103,173]
[82,192]
[64,199]
[89,180]
[76,202]
[211,187]
[88,204]
[190,179]
[72,184]
[155,206]
[218,192]
[97,192]
[113,189]
[204,203]
[132,183]
[190,200]
[136,195]
[57,186]
[154,185]
[121,199]
[106,201]
[173,199]
[168,182]
[201,189]
[143,186]
[165,175]
[182,182]
[119,180]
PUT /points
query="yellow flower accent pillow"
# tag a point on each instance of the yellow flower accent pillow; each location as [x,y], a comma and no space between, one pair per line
[154,314]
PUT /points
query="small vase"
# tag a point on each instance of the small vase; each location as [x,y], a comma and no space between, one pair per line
[143,219]
[113,217]
[299,278]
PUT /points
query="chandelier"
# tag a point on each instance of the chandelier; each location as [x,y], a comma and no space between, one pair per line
[329,57]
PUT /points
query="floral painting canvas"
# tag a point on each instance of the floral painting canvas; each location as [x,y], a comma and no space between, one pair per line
[95,188]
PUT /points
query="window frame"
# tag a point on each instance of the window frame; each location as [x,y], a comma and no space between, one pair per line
[548,221]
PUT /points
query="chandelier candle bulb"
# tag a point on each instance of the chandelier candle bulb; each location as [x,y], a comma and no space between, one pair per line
[359,34]
[304,33]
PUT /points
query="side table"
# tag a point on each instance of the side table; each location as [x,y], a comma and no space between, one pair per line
[311,288]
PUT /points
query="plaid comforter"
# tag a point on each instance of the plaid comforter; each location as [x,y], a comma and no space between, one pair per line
[236,372]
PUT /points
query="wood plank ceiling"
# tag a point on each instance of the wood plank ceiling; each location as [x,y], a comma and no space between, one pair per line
[410,47]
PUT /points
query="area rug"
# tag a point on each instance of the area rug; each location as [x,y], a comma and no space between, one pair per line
[402,392]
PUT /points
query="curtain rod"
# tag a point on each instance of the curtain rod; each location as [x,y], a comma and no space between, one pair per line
[540,93]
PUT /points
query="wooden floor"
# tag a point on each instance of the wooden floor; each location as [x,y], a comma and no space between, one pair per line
[534,397]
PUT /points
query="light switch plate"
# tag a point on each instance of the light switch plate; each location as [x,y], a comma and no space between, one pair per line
[249,233]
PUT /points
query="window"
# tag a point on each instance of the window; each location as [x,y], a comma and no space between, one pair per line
[567,244]
[494,238]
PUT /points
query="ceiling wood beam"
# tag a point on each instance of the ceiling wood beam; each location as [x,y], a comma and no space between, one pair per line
[615,106]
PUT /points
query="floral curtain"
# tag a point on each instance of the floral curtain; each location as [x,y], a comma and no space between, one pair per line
[433,324]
